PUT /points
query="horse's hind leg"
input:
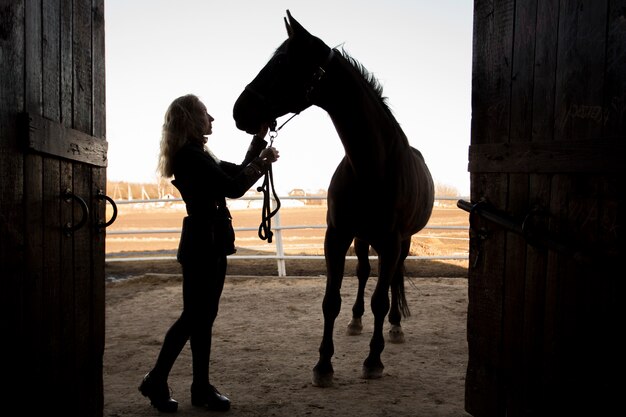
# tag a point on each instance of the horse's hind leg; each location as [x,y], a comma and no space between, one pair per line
[398,302]
[335,247]
[363,269]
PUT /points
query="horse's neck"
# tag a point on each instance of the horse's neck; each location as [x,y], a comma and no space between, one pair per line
[359,118]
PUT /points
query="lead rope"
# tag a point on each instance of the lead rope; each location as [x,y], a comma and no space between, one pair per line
[265,228]
[265,232]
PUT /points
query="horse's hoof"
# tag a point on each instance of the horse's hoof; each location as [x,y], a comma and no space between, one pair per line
[372,368]
[322,380]
[355,327]
[323,375]
[372,372]
[396,335]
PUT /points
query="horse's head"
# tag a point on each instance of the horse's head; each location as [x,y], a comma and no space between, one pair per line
[286,84]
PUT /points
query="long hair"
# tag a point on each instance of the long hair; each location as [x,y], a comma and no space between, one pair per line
[183,122]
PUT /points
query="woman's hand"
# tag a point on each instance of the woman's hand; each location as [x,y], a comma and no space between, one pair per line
[262,131]
[270,154]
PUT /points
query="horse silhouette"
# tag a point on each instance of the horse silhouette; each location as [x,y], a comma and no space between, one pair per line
[380,195]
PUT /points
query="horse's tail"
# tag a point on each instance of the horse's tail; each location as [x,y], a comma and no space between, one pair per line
[398,293]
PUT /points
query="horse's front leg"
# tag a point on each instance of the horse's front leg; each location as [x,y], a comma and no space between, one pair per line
[388,257]
[361,249]
[335,248]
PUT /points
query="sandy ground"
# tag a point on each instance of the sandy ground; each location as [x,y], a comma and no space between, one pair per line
[265,344]
[268,331]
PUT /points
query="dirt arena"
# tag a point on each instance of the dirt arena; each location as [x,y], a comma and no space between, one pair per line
[269,329]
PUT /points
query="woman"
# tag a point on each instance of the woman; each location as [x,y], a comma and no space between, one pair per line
[207,238]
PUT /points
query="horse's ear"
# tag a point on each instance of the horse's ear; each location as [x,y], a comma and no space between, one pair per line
[289,30]
[293,26]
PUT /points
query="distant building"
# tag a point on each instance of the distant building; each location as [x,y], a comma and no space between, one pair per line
[318,194]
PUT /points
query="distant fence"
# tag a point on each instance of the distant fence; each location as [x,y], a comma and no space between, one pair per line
[277,228]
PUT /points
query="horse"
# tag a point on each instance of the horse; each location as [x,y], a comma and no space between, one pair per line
[380,194]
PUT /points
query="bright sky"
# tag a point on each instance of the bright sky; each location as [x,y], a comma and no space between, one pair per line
[157,50]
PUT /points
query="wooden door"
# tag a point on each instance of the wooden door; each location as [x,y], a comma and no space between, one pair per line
[547,155]
[52,180]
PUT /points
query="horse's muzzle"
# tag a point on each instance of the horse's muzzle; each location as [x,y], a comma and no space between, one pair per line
[248,112]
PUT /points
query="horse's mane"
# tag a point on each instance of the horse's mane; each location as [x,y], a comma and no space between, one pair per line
[368,77]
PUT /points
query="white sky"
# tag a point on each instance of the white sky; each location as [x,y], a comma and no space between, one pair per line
[157,50]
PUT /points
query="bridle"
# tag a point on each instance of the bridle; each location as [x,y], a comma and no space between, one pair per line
[316,79]
[318,75]
[267,188]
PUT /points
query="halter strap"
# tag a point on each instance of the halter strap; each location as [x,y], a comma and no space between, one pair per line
[319,74]
[321,71]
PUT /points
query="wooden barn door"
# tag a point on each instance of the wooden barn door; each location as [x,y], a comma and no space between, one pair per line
[547,241]
[52,180]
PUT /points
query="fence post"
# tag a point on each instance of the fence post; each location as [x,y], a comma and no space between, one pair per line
[280,251]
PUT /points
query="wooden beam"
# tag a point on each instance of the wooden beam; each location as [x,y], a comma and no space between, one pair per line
[52,138]
[595,156]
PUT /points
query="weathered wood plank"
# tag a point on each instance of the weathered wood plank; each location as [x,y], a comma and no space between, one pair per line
[517,204]
[523,63]
[545,63]
[532,362]
[484,388]
[68,379]
[98,177]
[67,64]
[491,106]
[12,238]
[544,79]
[82,111]
[514,297]
[33,203]
[579,115]
[52,322]
[83,299]
[67,287]
[615,82]
[11,160]
[579,111]
[491,74]
[582,156]
[52,138]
